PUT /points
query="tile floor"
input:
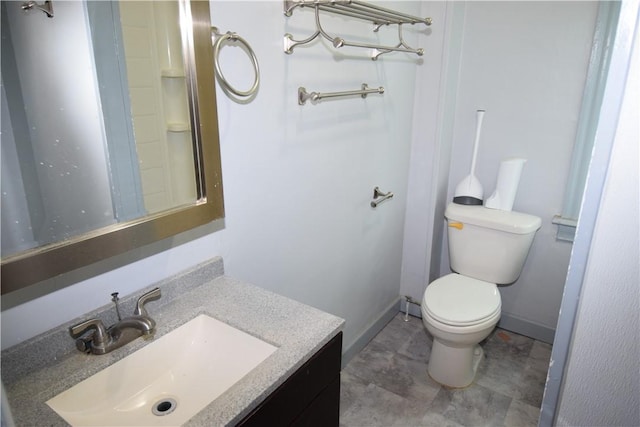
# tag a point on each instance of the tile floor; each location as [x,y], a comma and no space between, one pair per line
[386,384]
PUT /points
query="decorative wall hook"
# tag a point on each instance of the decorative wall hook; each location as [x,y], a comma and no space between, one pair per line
[379,197]
[46,7]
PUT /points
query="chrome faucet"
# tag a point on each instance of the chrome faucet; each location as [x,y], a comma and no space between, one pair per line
[103,340]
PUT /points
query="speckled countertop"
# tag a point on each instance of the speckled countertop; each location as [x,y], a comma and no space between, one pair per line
[39,369]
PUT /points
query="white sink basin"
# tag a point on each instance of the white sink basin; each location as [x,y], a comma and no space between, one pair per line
[166,382]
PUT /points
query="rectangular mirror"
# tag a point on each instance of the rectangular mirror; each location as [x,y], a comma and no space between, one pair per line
[109,131]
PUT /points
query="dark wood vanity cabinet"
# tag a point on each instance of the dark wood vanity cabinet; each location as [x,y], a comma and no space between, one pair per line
[309,398]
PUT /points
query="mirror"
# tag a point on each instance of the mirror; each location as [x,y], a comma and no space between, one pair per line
[109,131]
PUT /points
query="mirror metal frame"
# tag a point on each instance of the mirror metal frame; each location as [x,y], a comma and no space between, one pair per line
[30,267]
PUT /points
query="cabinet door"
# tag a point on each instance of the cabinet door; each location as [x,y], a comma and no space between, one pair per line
[310,397]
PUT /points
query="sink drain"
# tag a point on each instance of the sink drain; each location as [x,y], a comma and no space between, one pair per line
[164,407]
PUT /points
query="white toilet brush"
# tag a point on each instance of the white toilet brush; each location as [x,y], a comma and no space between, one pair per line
[469,191]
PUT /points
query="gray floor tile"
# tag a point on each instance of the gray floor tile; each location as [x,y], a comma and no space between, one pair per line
[531,387]
[407,338]
[521,414]
[386,384]
[394,372]
[351,389]
[534,374]
[434,419]
[540,355]
[376,407]
[472,406]
[506,356]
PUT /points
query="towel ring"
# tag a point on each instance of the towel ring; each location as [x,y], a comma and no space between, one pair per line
[218,40]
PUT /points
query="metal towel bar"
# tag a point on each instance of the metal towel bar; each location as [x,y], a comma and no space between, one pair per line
[304,96]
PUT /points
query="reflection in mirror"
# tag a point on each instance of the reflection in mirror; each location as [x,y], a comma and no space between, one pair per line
[100,131]
[88,158]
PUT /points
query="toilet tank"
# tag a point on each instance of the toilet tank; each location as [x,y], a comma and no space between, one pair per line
[489,244]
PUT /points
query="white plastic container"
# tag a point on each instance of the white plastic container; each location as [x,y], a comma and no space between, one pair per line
[506,185]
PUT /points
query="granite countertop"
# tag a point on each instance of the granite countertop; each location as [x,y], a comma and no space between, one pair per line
[39,369]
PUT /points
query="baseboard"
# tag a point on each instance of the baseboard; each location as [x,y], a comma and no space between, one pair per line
[526,327]
[370,332]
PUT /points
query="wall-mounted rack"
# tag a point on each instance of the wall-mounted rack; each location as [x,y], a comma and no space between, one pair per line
[304,96]
[379,16]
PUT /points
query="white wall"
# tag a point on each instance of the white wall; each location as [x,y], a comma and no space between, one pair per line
[297,179]
[436,86]
[525,63]
[602,382]
[429,163]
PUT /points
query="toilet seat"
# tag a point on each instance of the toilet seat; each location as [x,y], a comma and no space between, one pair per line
[459,300]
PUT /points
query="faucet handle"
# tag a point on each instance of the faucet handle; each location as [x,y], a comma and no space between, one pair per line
[99,332]
[84,344]
[152,295]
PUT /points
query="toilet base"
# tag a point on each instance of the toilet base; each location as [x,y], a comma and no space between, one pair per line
[454,366]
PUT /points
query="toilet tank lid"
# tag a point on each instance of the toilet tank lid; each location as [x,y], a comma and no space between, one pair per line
[496,219]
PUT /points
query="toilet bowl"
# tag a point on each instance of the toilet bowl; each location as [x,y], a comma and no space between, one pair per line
[487,247]
[459,312]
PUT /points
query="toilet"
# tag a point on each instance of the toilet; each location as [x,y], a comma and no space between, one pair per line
[487,247]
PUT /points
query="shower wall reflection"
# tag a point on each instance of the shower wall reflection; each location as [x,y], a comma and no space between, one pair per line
[95,121]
